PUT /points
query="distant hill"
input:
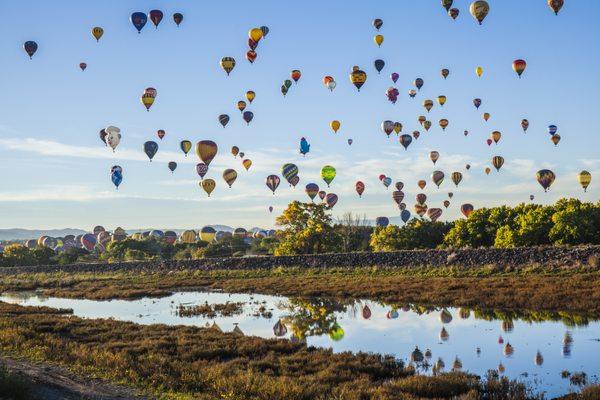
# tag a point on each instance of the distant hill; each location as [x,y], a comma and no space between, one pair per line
[26,234]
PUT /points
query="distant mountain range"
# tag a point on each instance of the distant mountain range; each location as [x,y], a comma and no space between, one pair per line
[26,234]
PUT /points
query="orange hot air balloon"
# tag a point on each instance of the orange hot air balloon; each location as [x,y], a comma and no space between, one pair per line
[487,170]
[486,116]
[555,5]
[206,150]
[496,136]
[97,33]
[519,66]
[295,75]
[443,123]
[247,164]
[335,125]
[235,151]
[378,40]
[422,184]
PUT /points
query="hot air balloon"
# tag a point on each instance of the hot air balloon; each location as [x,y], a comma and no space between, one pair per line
[160,133]
[227,63]
[434,156]
[382,222]
[304,146]
[486,116]
[289,171]
[437,177]
[150,148]
[453,13]
[427,125]
[284,90]
[555,5]
[377,23]
[156,16]
[412,93]
[139,19]
[350,142]
[273,182]
[398,196]
[445,72]
[446,203]
[82,66]
[477,103]
[328,174]
[450,195]
[113,136]
[496,135]
[416,134]
[229,176]
[177,18]
[387,181]
[387,127]
[148,97]
[584,178]
[30,48]
[97,33]
[456,178]
[88,241]
[524,124]
[405,215]
[247,164]
[497,162]
[479,9]
[489,141]
[248,116]
[116,175]
[421,209]
[421,198]
[394,76]
[206,151]
[185,146]
[466,133]
[287,83]
[405,141]
[251,56]
[224,119]
[519,66]
[428,104]
[208,185]
[392,94]
[255,34]
[479,71]
[434,213]
[358,78]
[441,100]
[397,127]
[172,166]
[235,151]
[552,129]
[331,200]
[443,123]
[487,170]
[379,64]
[466,209]
[103,136]
[555,139]
[250,95]
[322,194]
[399,185]
[279,329]
[419,83]
[335,125]
[421,183]
[312,189]
[378,40]
[295,75]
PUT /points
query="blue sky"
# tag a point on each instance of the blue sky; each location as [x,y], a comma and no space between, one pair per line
[55,170]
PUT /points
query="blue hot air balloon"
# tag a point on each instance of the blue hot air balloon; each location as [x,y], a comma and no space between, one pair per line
[405,215]
[150,148]
[116,175]
[382,221]
[304,146]
[552,129]
[139,19]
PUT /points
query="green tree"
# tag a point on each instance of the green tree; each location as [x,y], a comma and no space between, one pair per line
[575,223]
[17,255]
[531,227]
[416,234]
[307,229]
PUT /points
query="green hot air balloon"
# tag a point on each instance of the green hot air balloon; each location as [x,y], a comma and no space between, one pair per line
[328,174]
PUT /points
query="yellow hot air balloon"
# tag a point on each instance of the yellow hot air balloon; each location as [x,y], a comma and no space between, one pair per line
[255,34]
[479,10]
[427,125]
[188,236]
[335,125]
[208,185]
[397,127]
[479,71]
[247,164]
[441,100]
[97,33]
[229,175]
[378,39]
[443,123]
[185,146]
[208,234]
[250,95]
[227,63]
[584,178]
[206,150]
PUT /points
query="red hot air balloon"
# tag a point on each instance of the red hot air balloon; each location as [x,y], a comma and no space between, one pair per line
[519,66]
[360,188]
[160,133]
[156,16]
[466,209]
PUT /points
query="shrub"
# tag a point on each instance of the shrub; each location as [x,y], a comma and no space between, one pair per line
[416,234]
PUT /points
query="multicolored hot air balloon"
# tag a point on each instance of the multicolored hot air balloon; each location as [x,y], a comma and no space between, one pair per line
[148,97]
[555,5]
[497,162]
[312,189]
[156,16]
[434,213]
[479,10]
[405,141]
[185,146]
[289,171]
[456,177]
[331,200]
[584,178]
[208,185]
[88,241]
[466,209]
[150,148]
[524,124]
[328,174]
[519,66]
[359,186]
[377,23]
[358,78]
[545,178]
[434,156]
[247,164]
[229,176]
[437,177]
[206,151]
[178,18]
[273,182]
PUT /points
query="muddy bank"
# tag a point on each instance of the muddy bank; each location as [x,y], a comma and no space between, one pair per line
[464,258]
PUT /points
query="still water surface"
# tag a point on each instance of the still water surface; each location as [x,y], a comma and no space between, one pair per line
[479,340]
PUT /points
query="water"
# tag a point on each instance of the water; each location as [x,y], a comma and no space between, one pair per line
[343,326]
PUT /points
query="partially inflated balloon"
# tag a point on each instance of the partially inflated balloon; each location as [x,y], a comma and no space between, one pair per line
[30,48]
[555,5]
[405,141]
[150,148]
[545,178]
[139,19]
[177,18]
[331,199]
[328,174]
[273,182]
[466,209]
[206,150]
[156,16]
[229,175]
[185,146]
[227,63]
[312,189]
[437,177]
[208,185]
[584,178]
[479,10]
[519,66]
[247,164]
[358,78]
[335,125]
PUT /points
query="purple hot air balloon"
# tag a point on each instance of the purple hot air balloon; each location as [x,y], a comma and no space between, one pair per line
[201,169]
[394,77]
[331,199]
[273,182]
[88,241]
